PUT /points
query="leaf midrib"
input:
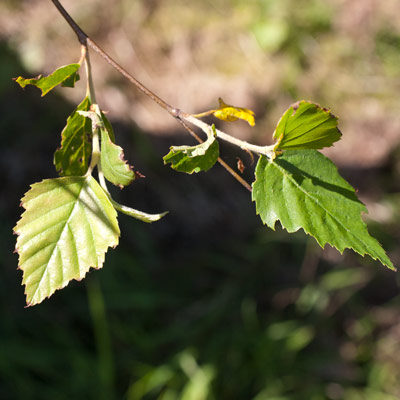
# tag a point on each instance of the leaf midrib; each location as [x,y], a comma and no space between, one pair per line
[61,232]
[309,130]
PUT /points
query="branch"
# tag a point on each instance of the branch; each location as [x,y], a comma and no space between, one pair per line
[86,41]
[263,150]
[219,159]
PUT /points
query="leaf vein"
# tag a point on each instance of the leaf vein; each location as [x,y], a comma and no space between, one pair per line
[317,203]
[61,233]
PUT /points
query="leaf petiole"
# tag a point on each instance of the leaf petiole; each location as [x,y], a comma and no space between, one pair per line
[267,151]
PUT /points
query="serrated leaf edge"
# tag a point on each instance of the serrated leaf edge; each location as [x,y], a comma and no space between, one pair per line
[68,141]
[21,80]
[121,155]
[17,233]
[283,172]
[295,106]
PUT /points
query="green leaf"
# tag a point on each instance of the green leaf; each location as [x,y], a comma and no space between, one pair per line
[303,189]
[113,165]
[66,228]
[108,127]
[115,168]
[140,215]
[72,158]
[191,159]
[66,76]
[306,126]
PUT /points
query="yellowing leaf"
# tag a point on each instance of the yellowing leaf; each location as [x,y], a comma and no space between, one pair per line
[231,113]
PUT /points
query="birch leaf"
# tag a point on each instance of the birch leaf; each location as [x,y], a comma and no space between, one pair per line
[64,76]
[191,159]
[72,158]
[140,215]
[66,228]
[306,125]
[115,168]
[303,189]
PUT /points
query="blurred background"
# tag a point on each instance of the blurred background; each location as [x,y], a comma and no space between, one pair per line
[207,304]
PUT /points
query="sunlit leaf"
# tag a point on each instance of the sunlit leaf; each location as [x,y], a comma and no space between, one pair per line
[66,76]
[231,113]
[303,189]
[140,215]
[115,168]
[72,158]
[108,127]
[66,228]
[306,125]
[191,159]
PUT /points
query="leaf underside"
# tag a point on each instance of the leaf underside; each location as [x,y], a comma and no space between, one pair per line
[72,158]
[306,126]
[66,228]
[303,189]
[191,159]
[65,76]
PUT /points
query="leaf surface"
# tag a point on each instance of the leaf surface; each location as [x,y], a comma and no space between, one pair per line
[191,159]
[306,125]
[115,168]
[72,158]
[66,228]
[66,76]
[231,113]
[140,215]
[108,126]
[303,189]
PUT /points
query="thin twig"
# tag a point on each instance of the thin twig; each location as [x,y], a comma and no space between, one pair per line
[85,40]
[90,86]
[220,160]
[131,79]
[264,150]
[82,37]
[234,174]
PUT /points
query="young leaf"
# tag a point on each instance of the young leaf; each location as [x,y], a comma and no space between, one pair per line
[191,159]
[303,189]
[72,158]
[66,228]
[306,125]
[113,165]
[108,126]
[231,113]
[66,76]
